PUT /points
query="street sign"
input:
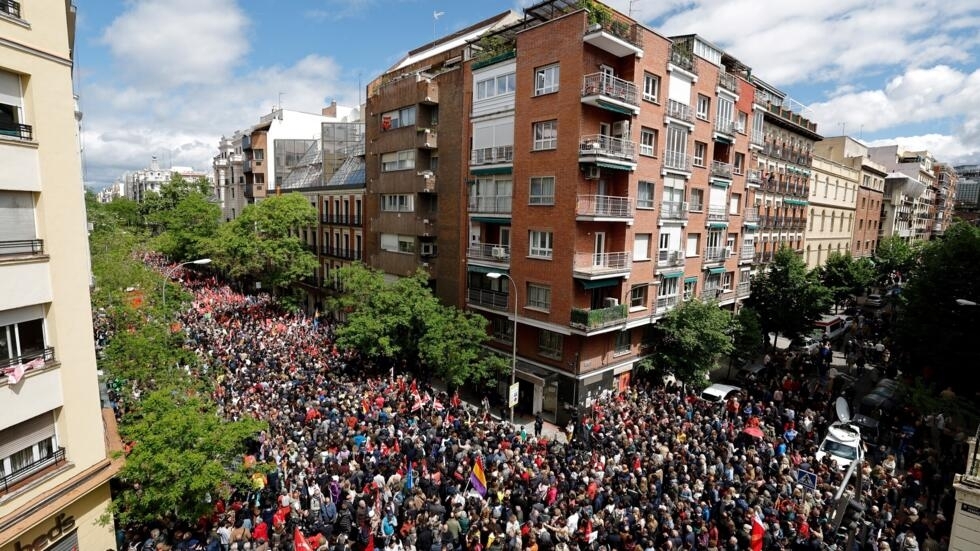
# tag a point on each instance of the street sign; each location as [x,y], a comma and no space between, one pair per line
[807,479]
[515,394]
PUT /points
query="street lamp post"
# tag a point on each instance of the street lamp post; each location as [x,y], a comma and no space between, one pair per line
[513,353]
[173,270]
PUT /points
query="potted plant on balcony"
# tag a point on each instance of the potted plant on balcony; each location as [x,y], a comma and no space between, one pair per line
[599,14]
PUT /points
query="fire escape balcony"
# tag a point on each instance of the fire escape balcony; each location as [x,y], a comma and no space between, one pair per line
[611,93]
[602,265]
[607,152]
[604,208]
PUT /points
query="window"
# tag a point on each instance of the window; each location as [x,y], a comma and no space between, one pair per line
[648,142]
[392,243]
[641,247]
[733,203]
[638,296]
[259,179]
[644,195]
[693,244]
[742,124]
[546,80]
[542,190]
[406,244]
[739,163]
[704,107]
[651,87]
[623,341]
[540,244]
[398,118]
[668,287]
[397,203]
[538,296]
[696,200]
[502,329]
[496,86]
[550,343]
[398,160]
[11,104]
[27,447]
[700,152]
[23,340]
[690,288]
[545,135]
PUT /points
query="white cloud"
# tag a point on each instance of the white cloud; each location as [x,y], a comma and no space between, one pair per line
[177,42]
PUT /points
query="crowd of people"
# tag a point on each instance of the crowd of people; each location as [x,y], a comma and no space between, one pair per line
[357,458]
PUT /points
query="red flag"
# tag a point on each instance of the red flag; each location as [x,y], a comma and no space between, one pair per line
[437,405]
[414,387]
[401,384]
[299,542]
[455,401]
[758,531]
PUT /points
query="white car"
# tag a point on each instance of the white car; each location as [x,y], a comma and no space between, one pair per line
[806,344]
[842,444]
[873,300]
[719,392]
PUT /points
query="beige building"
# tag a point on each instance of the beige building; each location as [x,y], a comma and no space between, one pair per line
[833,197]
[54,465]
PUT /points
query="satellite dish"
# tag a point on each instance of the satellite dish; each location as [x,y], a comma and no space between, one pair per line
[843,410]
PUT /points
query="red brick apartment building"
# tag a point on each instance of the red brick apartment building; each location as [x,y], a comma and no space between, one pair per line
[598,165]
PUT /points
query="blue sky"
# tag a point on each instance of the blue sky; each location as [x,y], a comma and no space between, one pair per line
[169,77]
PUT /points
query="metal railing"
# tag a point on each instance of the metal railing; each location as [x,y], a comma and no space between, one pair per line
[674,210]
[683,59]
[728,82]
[499,204]
[604,205]
[17,130]
[667,257]
[607,146]
[725,127]
[611,87]
[7,364]
[597,318]
[489,251]
[757,138]
[717,214]
[342,219]
[488,298]
[679,111]
[716,254]
[721,170]
[22,247]
[743,289]
[747,252]
[10,7]
[342,252]
[492,155]
[599,263]
[666,303]
[54,458]
[754,176]
[677,160]
[751,215]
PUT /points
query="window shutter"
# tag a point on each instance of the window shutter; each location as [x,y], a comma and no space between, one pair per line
[26,434]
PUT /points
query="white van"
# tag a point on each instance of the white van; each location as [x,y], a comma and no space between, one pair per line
[830,327]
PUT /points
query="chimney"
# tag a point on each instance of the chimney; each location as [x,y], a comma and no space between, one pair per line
[330,111]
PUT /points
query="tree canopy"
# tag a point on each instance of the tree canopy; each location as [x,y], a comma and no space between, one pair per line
[844,276]
[893,256]
[691,339]
[402,320]
[787,297]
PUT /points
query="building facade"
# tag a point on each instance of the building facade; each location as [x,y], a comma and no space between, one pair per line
[229,177]
[967,204]
[945,194]
[833,202]
[149,180]
[54,464]
[909,198]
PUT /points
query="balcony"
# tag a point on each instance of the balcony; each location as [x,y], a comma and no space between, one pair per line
[607,151]
[600,265]
[22,247]
[726,128]
[673,210]
[342,252]
[342,219]
[16,130]
[716,254]
[667,258]
[32,360]
[729,82]
[618,35]
[757,139]
[682,59]
[590,319]
[247,141]
[747,253]
[675,160]
[426,138]
[743,289]
[487,298]
[247,165]
[721,170]
[604,208]
[667,303]
[610,93]
[717,214]
[10,7]
[750,215]
[220,162]
[679,111]
[235,157]
[754,176]
[491,252]
[490,204]
[13,480]
[501,154]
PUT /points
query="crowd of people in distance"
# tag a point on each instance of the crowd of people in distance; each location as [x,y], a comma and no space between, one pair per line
[357,458]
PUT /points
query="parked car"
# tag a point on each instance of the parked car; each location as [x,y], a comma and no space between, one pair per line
[842,444]
[808,345]
[873,300]
[831,327]
[719,392]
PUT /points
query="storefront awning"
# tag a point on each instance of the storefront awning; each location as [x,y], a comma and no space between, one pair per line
[718,225]
[719,270]
[691,279]
[718,182]
[600,283]
[613,166]
[489,171]
[614,107]
[672,275]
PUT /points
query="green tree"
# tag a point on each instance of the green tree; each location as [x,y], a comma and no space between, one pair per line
[183,456]
[402,320]
[893,255]
[845,276]
[935,330]
[787,298]
[262,243]
[156,207]
[749,337]
[691,338]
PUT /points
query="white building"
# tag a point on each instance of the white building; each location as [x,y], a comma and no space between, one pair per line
[149,180]
[909,192]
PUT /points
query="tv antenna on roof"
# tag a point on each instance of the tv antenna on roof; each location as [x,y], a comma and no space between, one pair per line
[435,17]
